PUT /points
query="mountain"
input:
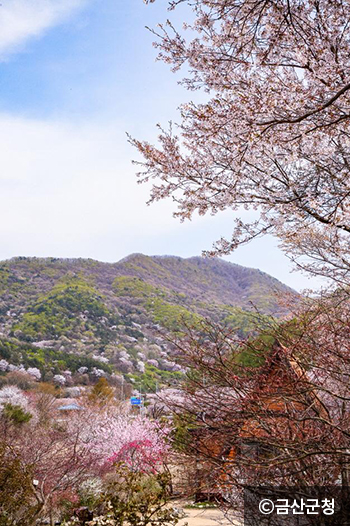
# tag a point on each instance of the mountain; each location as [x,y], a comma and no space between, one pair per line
[207,280]
[80,318]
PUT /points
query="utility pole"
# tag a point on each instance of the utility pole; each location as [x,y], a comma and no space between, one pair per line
[122,390]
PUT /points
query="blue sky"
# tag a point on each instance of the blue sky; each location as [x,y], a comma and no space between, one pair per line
[75,75]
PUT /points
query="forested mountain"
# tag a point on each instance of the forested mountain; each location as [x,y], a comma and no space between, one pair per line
[80,318]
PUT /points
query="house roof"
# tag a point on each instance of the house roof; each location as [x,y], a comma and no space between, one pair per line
[70,406]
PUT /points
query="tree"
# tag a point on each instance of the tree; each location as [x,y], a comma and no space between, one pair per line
[14,396]
[139,443]
[101,393]
[284,419]
[136,498]
[272,134]
[17,496]
[139,498]
[61,452]
[137,489]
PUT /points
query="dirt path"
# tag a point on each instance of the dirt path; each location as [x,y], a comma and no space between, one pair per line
[204,517]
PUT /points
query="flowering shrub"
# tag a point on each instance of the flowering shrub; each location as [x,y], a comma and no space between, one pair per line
[59,379]
[4,365]
[140,455]
[140,443]
[14,396]
[71,455]
[136,499]
[34,372]
[90,491]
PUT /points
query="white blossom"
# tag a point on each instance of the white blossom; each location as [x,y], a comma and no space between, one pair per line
[34,372]
[4,365]
[271,134]
[13,395]
[153,362]
[100,358]
[98,372]
[140,366]
[59,379]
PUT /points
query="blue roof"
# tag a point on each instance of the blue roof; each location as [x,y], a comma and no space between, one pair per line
[70,407]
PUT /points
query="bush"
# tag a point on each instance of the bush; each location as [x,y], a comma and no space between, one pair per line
[135,498]
[17,495]
[15,414]
[21,379]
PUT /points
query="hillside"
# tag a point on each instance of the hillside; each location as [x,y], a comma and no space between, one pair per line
[81,318]
[207,280]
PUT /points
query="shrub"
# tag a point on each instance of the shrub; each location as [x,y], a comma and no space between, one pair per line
[17,495]
[137,499]
[15,414]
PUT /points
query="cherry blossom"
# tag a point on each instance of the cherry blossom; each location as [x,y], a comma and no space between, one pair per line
[271,134]
[14,396]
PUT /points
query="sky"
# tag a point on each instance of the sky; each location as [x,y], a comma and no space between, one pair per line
[75,76]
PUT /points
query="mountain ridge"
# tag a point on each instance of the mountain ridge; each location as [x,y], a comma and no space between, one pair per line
[112,313]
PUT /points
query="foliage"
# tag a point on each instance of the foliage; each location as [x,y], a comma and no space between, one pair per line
[245,323]
[170,316]
[183,423]
[137,287]
[89,318]
[188,282]
[59,312]
[140,499]
[17,496]
[46,359]
[101,393]
[137,499]
[167,314]
[65,452]
[255,351]
[153,376]
[90,492]
[15,414]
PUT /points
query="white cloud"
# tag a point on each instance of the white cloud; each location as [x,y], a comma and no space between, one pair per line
[21,20]
[69,190]
[64,187]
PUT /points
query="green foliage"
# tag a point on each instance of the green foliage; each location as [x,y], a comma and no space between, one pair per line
[85,307]
[137,499]
[135,287]
[160,303]
[46,359]
[9,282]
[245,323]
[4,278]
[172,317]
[219,282]
[255,351]
[17,495]
[154,377]
[15,414]
[90,492]
[182,438]
[61,311]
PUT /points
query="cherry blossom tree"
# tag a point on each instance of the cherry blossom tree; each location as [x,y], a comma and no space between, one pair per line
[66,450]
[271,134]
[14,396]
